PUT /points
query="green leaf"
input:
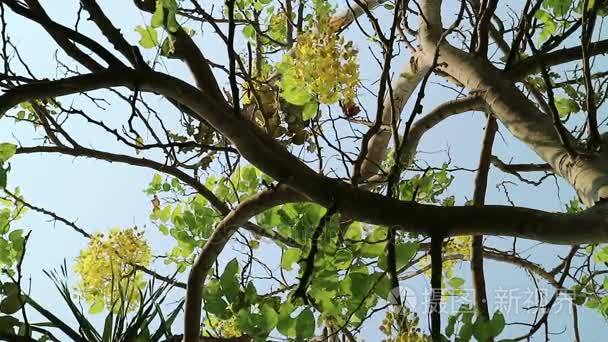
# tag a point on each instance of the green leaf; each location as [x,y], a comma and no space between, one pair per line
[269,318]
[216,306]
[566,106]
[375,244]
[244,320]
[229,282]
[305,324]
[165,214]
[285,324]
[497,324]
[357,284]
[249,31]
[10,289]
[212,289]
[383,288]
[481,330]
[7,151]
[404,253]
[354,231]
[559,7]
[7,323]
[172,24]
[11,304]
[157,180]
[251,294]
[149,37]
[449,329]
[296,96]
[310,110]
[293,92]
[343,259]
[592,303]
[466,332]
[550,26]
[96,307]
[3,176]
[159,15]
[456,282]
[290,256]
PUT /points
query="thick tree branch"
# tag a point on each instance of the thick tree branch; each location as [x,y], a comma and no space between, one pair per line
[514,168]
[587,174]
[532,64]
[276,161]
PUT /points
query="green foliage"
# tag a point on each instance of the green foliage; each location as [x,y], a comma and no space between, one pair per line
[305,324]
[12,300]
[226,300]
[465,325]
[427,187]
[150,322]
[566,106]
[165,15]
[574,206]
[553,16]
[348,281]
[12,239]
[558,7]
[149,36]
[6,152]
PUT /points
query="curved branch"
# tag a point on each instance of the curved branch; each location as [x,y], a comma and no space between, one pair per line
[218,204]
[120,158]
[222,234]
[349,13]
[65,37]
[434,117]
[532,64]
[273,159]
[511,168]
[430,120]
[402,89]
[587,174]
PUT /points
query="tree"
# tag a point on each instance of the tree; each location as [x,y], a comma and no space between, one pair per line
[285,139]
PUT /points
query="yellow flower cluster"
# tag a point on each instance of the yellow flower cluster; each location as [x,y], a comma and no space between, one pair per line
[106,269]
[457,246]
[460,245]
[406,331]
[324,64]
[226,328]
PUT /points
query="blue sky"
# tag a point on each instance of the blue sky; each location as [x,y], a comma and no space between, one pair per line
[102,195]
